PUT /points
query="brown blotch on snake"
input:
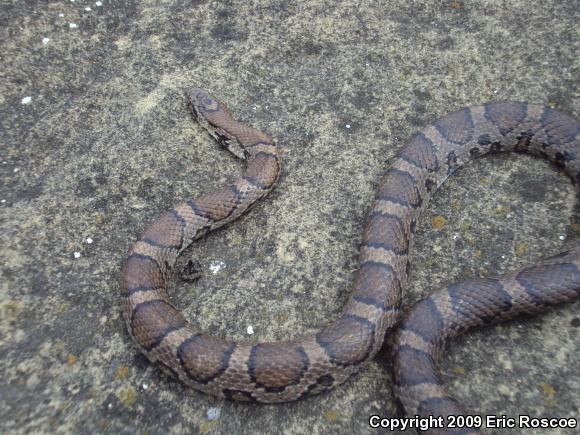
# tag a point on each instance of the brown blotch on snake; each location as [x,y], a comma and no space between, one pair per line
[285,371]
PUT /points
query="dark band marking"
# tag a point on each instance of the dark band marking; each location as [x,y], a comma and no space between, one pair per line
[209,373]
[341,352]
[159,338]
[367,300]
[403,201]
[397,191]
[401,173]
[379,222]
[425,320]
[377,284]
[384,266]
[238,197]
[423,367]
[456,127]
[485,299]
[535,280]
[559,127]
[505,116]
[183,224]
[156,244]
[421,153]
[266,358]
[196,210]
[143,305]
[148,259]
[388,247]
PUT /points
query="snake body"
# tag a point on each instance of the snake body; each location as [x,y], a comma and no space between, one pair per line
[285,371]
[432,322]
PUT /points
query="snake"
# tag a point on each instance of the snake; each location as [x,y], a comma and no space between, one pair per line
[283,371]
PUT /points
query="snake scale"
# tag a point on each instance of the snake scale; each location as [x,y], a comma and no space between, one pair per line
[285,371]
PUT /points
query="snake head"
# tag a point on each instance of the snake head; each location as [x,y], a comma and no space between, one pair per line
[202,103]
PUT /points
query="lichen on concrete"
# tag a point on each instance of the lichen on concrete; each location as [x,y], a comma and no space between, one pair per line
[96,141]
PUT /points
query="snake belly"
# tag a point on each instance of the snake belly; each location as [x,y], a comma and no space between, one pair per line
[285,371]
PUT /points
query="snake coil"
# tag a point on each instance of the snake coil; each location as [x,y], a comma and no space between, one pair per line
[285,371]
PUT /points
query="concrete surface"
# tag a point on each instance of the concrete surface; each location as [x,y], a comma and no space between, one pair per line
[96,141]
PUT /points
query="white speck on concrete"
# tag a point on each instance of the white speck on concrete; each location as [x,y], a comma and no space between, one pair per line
[77,254]
[110,406]
[32,380]
[61,15]
[562,237]
[2,201]
[26,100]
[145,385]
[216,266]
[45,40]
[16,169]
[87,9]
[509,215]
[213,413]
[72,25]
[89,240]
[98,3]
[347,125]
[250,330]
[503,390]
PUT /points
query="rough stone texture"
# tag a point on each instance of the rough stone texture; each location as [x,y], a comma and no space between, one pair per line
[106,144]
